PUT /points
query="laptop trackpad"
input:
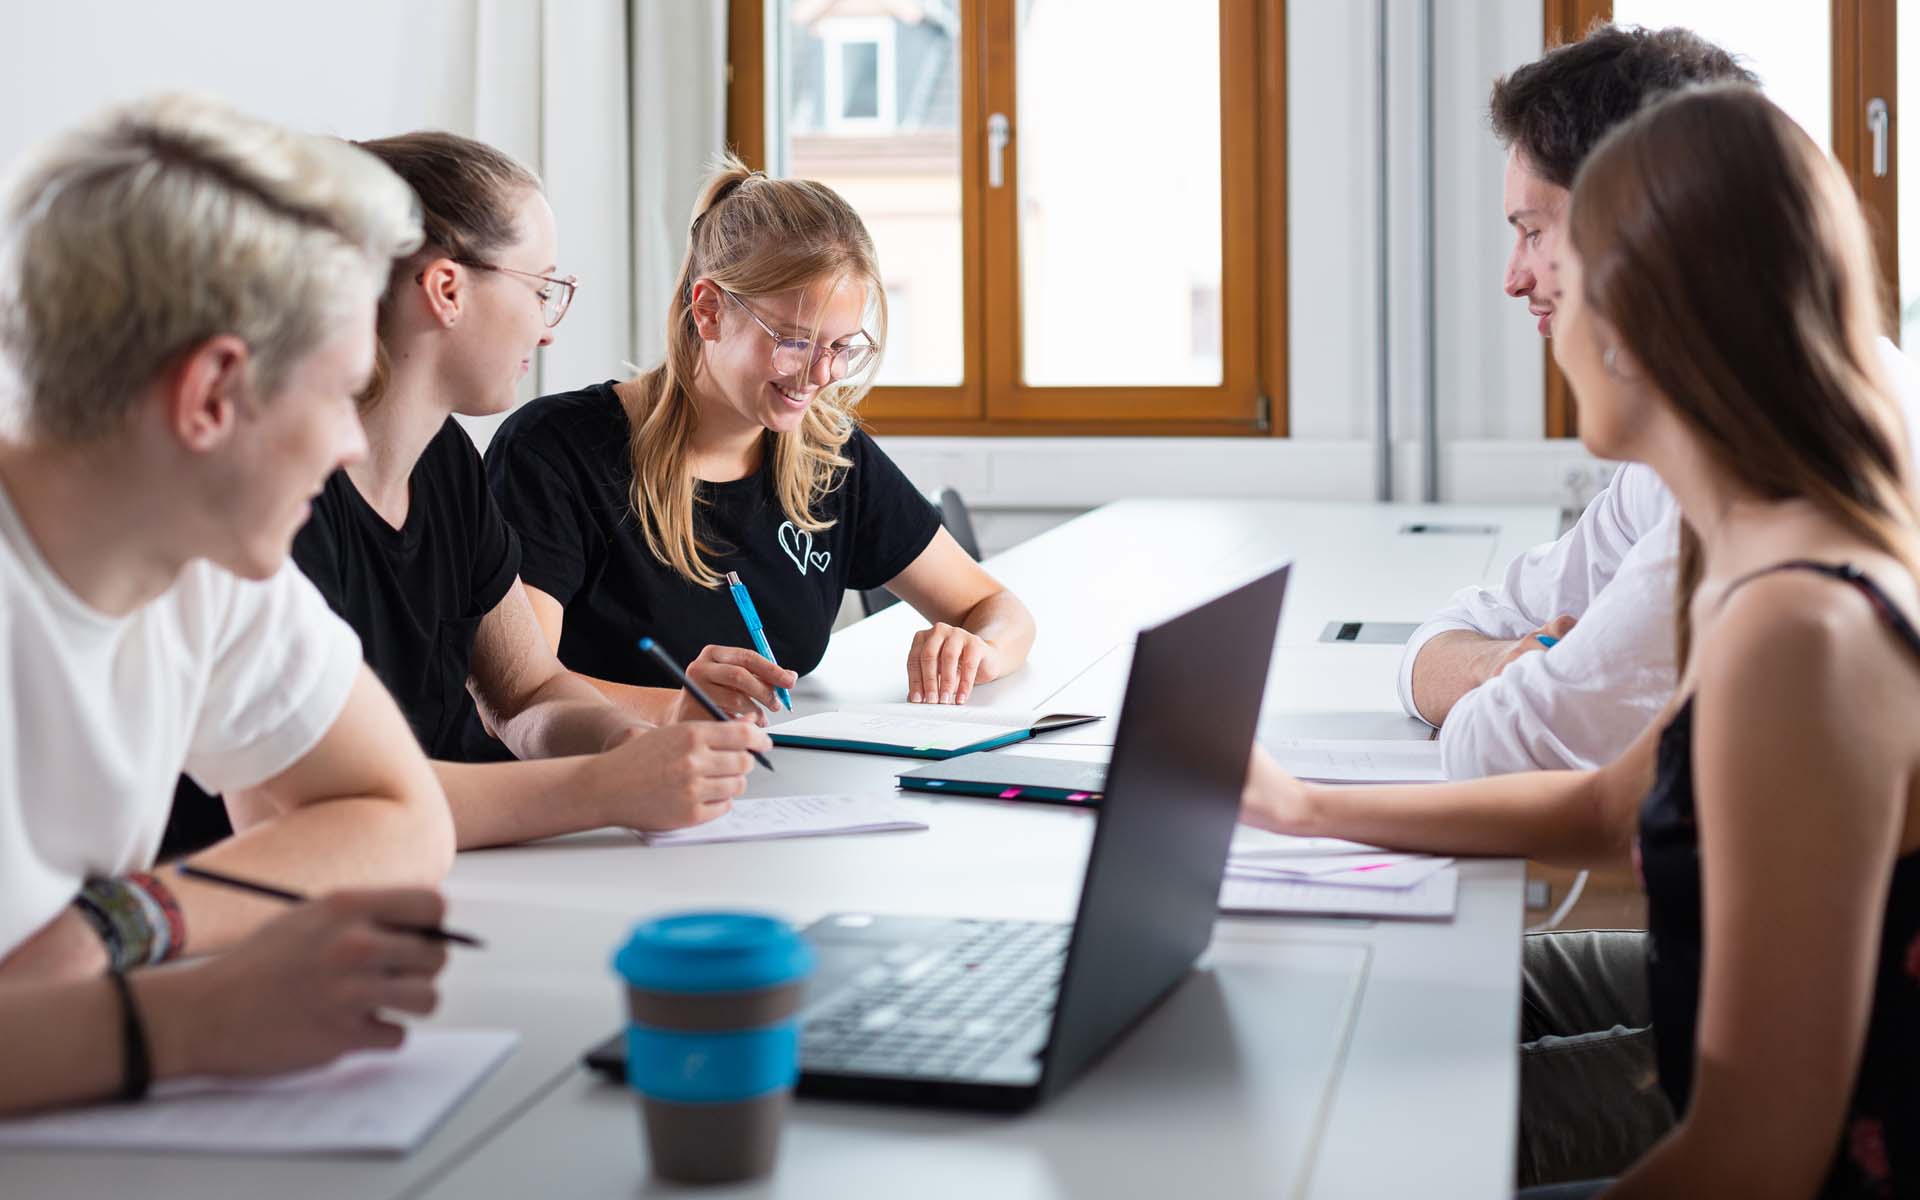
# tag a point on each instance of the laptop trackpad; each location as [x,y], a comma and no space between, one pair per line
[1242,1059]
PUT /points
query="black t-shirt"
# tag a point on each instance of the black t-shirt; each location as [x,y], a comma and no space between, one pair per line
[416,595]
[561,470]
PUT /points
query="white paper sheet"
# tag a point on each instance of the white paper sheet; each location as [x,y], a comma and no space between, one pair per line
[1437,897]
[1372,871]
[896,729]
[761,818]
[378,1101]
[1377,761]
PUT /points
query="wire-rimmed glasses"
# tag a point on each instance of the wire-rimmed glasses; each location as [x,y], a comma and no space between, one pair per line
[555,298]
[796,356]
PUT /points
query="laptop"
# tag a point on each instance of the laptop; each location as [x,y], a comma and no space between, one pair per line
[991,1014]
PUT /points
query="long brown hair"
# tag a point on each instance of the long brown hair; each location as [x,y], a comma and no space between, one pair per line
[1732,258]
[467,191]
[754,236]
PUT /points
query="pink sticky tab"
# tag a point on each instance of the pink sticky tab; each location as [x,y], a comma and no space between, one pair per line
[1010,794]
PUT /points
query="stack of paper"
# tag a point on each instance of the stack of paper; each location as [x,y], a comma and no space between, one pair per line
[1328,760]
[759,818]
[1270,873]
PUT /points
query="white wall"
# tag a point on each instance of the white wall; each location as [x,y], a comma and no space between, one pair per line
[367,68]
[307,65]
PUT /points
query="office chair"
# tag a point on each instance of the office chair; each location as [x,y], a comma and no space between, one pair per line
[959,523]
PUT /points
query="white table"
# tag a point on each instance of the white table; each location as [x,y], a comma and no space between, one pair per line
[1265,1074]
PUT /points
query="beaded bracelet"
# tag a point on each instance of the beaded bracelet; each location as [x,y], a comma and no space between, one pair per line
[136,917]
[136,1066]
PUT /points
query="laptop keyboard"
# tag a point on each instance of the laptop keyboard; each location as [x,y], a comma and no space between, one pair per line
[943,1008]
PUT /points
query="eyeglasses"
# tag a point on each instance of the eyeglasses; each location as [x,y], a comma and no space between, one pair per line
[796,356]
[555,298]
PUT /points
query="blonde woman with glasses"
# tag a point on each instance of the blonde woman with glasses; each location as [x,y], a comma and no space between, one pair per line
[408,546]
[740,454]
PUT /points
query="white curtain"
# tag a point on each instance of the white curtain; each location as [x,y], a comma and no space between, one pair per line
[620,105]
[679,104]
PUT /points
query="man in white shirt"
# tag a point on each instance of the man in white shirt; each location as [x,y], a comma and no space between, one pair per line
[1604,591]
[187,313]
[1504,701]
[1477,670]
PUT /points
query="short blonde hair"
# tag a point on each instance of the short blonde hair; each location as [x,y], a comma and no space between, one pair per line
[171,220]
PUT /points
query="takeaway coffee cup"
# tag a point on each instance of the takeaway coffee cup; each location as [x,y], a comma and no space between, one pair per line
[713,1044]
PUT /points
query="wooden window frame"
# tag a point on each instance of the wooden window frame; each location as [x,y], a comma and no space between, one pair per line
[1865,66]
[992,399]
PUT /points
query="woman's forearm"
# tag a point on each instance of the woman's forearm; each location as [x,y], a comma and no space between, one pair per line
[1552,816]
[569,714]
[1003,622]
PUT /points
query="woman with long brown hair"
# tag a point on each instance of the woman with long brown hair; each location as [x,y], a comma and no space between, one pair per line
[1717,316]
[739,453]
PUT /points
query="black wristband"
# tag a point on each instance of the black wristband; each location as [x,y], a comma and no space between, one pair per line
[136,1069]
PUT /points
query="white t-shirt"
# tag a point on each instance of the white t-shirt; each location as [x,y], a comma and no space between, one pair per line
[231,679]
[1583,703]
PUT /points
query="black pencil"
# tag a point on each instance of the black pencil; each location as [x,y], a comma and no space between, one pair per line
[431,932]
[649,646]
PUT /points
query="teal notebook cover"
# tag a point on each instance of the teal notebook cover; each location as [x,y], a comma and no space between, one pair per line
[1046,724]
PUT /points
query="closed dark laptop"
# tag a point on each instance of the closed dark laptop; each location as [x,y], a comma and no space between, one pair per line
[1000,1014]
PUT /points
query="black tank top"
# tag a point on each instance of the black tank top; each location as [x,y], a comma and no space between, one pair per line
[1879,1150]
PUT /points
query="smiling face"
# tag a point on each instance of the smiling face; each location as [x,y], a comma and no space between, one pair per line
[1537,211]
[501,324]
[737,353]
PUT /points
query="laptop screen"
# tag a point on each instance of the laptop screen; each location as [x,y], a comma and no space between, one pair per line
[1173,794]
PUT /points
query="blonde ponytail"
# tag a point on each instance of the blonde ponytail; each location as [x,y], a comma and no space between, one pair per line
[754,236]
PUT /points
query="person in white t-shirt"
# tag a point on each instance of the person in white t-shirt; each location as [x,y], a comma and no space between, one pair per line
[186,314]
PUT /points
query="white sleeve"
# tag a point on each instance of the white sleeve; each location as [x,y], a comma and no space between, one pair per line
[1581,703]
[282,668]
[1903,376]
[1560,578]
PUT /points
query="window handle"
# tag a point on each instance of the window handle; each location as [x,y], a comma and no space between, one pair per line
[1878,118]
[999,133]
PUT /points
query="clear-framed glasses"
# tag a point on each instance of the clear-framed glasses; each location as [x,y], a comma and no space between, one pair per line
[796,356]
[556,295]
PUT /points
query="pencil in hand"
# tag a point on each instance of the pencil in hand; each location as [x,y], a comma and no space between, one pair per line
[433,933]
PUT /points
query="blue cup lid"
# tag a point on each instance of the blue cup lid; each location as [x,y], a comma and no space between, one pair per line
[713,952]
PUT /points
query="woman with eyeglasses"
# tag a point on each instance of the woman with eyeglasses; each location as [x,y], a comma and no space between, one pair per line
[409,547]
[740,454]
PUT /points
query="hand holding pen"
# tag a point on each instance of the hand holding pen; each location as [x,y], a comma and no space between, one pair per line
[659,655]
[741,682]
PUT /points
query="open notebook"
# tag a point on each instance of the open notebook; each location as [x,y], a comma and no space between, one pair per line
[369,1102]
[764,818]
[919,730]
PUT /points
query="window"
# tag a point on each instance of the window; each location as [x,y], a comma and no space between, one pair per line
[1066,249]
[1832,67]
[857,82]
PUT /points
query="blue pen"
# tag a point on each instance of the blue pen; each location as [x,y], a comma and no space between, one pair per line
[1546,640]
[744,603]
